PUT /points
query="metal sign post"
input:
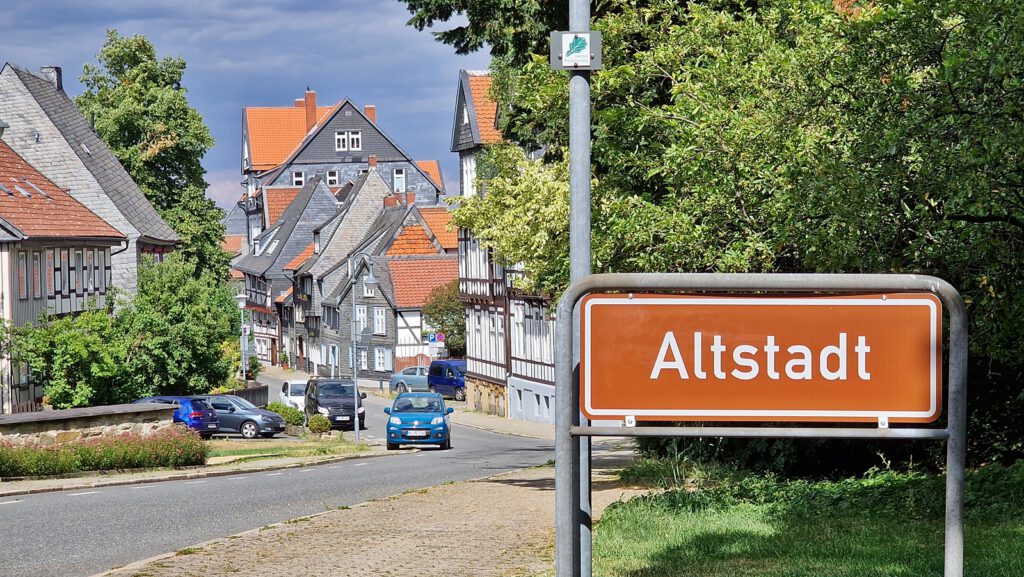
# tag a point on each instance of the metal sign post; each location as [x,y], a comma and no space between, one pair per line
[569,504]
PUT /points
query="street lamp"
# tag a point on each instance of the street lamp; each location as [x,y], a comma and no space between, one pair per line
[240,299]
[371,282]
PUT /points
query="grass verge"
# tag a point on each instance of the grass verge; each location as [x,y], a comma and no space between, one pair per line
[268,449]
[887,524]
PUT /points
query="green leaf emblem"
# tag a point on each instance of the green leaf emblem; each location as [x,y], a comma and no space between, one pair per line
[577,45]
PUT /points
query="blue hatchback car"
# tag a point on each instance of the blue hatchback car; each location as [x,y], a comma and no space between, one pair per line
[195,414]
[418,419]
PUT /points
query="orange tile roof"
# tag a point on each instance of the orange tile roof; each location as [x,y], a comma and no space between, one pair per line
[438,220]
[297,261]
[433,170]
[412,240]
[414,279]
[237,274]
[232,243]
[52,214]
[283,296]
[486,109]
[274,132]
[277,200]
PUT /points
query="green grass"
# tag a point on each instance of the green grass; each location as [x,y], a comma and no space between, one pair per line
[887,525]
[267,449]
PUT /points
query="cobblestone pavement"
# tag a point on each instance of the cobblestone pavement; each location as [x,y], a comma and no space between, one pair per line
[501,527]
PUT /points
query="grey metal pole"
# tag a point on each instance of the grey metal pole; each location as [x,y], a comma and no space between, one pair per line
[355,359]
[956,445]
[242,340]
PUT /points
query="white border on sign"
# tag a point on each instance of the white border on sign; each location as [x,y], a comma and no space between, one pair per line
[614,412]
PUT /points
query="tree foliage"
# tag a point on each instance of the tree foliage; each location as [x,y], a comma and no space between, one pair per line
[173,337]
[141,111]
[444,312]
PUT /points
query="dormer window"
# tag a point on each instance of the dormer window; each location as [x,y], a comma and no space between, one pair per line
[465,115]
[399,180]
[340,141]
[355,140]
[332,178]
[298,178]
[316,242]
[345,140]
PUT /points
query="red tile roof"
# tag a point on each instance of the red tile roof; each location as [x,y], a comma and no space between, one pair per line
[438,220]
[284,296]
[277,200]
[299,260]
[415,278]
[237,275]
[232,243]
[274,132]
[48,211]
[433,170]
[486,109]
[412,240]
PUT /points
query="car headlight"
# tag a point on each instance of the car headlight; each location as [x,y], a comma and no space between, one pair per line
[395,421]
[323,410]
[362,409]
[266,419]
[437,421]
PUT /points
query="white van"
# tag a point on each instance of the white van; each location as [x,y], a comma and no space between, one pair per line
[293,394]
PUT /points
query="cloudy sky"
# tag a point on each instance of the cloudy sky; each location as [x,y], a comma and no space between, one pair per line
[263,53]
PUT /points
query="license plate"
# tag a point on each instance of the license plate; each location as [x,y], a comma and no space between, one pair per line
[340,418]
[212,426]
[417,433]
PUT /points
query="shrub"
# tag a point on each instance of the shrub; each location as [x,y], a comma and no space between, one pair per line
[291,415]
[174,447]
[319,424]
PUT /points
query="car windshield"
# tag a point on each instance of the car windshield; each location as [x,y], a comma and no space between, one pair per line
[417,405]
[244,403]
[335,390]
[297,389]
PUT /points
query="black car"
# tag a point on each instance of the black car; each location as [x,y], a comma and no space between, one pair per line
[334,399]
[237,415]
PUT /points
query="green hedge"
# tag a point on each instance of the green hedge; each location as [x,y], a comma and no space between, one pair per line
[174,447]
[319,424]
[291,415]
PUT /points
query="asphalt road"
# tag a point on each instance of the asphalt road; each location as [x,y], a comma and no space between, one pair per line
[81,533]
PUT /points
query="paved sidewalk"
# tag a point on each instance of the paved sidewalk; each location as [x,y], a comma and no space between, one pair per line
[496,527]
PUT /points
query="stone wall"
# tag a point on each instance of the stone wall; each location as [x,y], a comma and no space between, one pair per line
[485,396]
[54,427]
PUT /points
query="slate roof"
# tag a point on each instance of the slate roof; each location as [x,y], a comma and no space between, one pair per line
[438,220]
[280,232]
[483,109]
[382,230]
[235,221]
[274,132]
[98,159]
[415,278]
[31,206]
[432,169]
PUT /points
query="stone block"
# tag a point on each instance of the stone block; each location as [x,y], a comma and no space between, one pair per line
[67,436]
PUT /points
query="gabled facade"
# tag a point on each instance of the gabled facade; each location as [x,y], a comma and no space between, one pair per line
[55,257]
[50,133]
[509,335]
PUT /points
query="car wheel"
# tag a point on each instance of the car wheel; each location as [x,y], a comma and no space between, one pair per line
[432,389]
[447,444]
[460,394]
[249,430]
[392,446]
[402,388]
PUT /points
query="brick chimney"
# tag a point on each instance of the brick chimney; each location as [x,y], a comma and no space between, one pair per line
[53,74]
[390,200]
[300,103]
[370,111]
[310,109]
[371,161]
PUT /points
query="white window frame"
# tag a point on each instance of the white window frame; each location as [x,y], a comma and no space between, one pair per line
[360,318]
[355,140]
[380,322]
[378,359]
[399,173]
[368,291]
[298,178]
[362,360]
[332,178]
[340,141]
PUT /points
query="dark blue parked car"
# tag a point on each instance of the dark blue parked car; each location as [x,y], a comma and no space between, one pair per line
[195,414]
[418,419]
[448,378]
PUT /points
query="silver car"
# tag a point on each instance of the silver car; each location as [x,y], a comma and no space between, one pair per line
[410,380]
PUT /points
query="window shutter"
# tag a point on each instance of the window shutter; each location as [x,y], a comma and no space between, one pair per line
[388,364]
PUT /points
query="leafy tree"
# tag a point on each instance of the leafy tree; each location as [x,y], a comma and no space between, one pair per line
[141,111]
[444,312]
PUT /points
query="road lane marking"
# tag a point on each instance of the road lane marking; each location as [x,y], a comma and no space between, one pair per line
[333,467]
[80,494]
[274,474]
[10,502]
[135,488]
[306,471]
[360,465]
[237,478]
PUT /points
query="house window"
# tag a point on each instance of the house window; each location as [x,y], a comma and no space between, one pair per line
[340,141]
[355,140]
[22,275]
[332,178]
[379,320]
[381,359]
[367,290]
[79,270]
[50,273]
[348,140]
[38,275]
[65,273]
[465,115]
[90,273]
[362,359]
[72,273]
[298,178]
[468,175]
[101,271]
[399,180]
[360,318]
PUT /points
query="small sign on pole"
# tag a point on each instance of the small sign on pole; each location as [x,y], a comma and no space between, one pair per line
[576,50]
